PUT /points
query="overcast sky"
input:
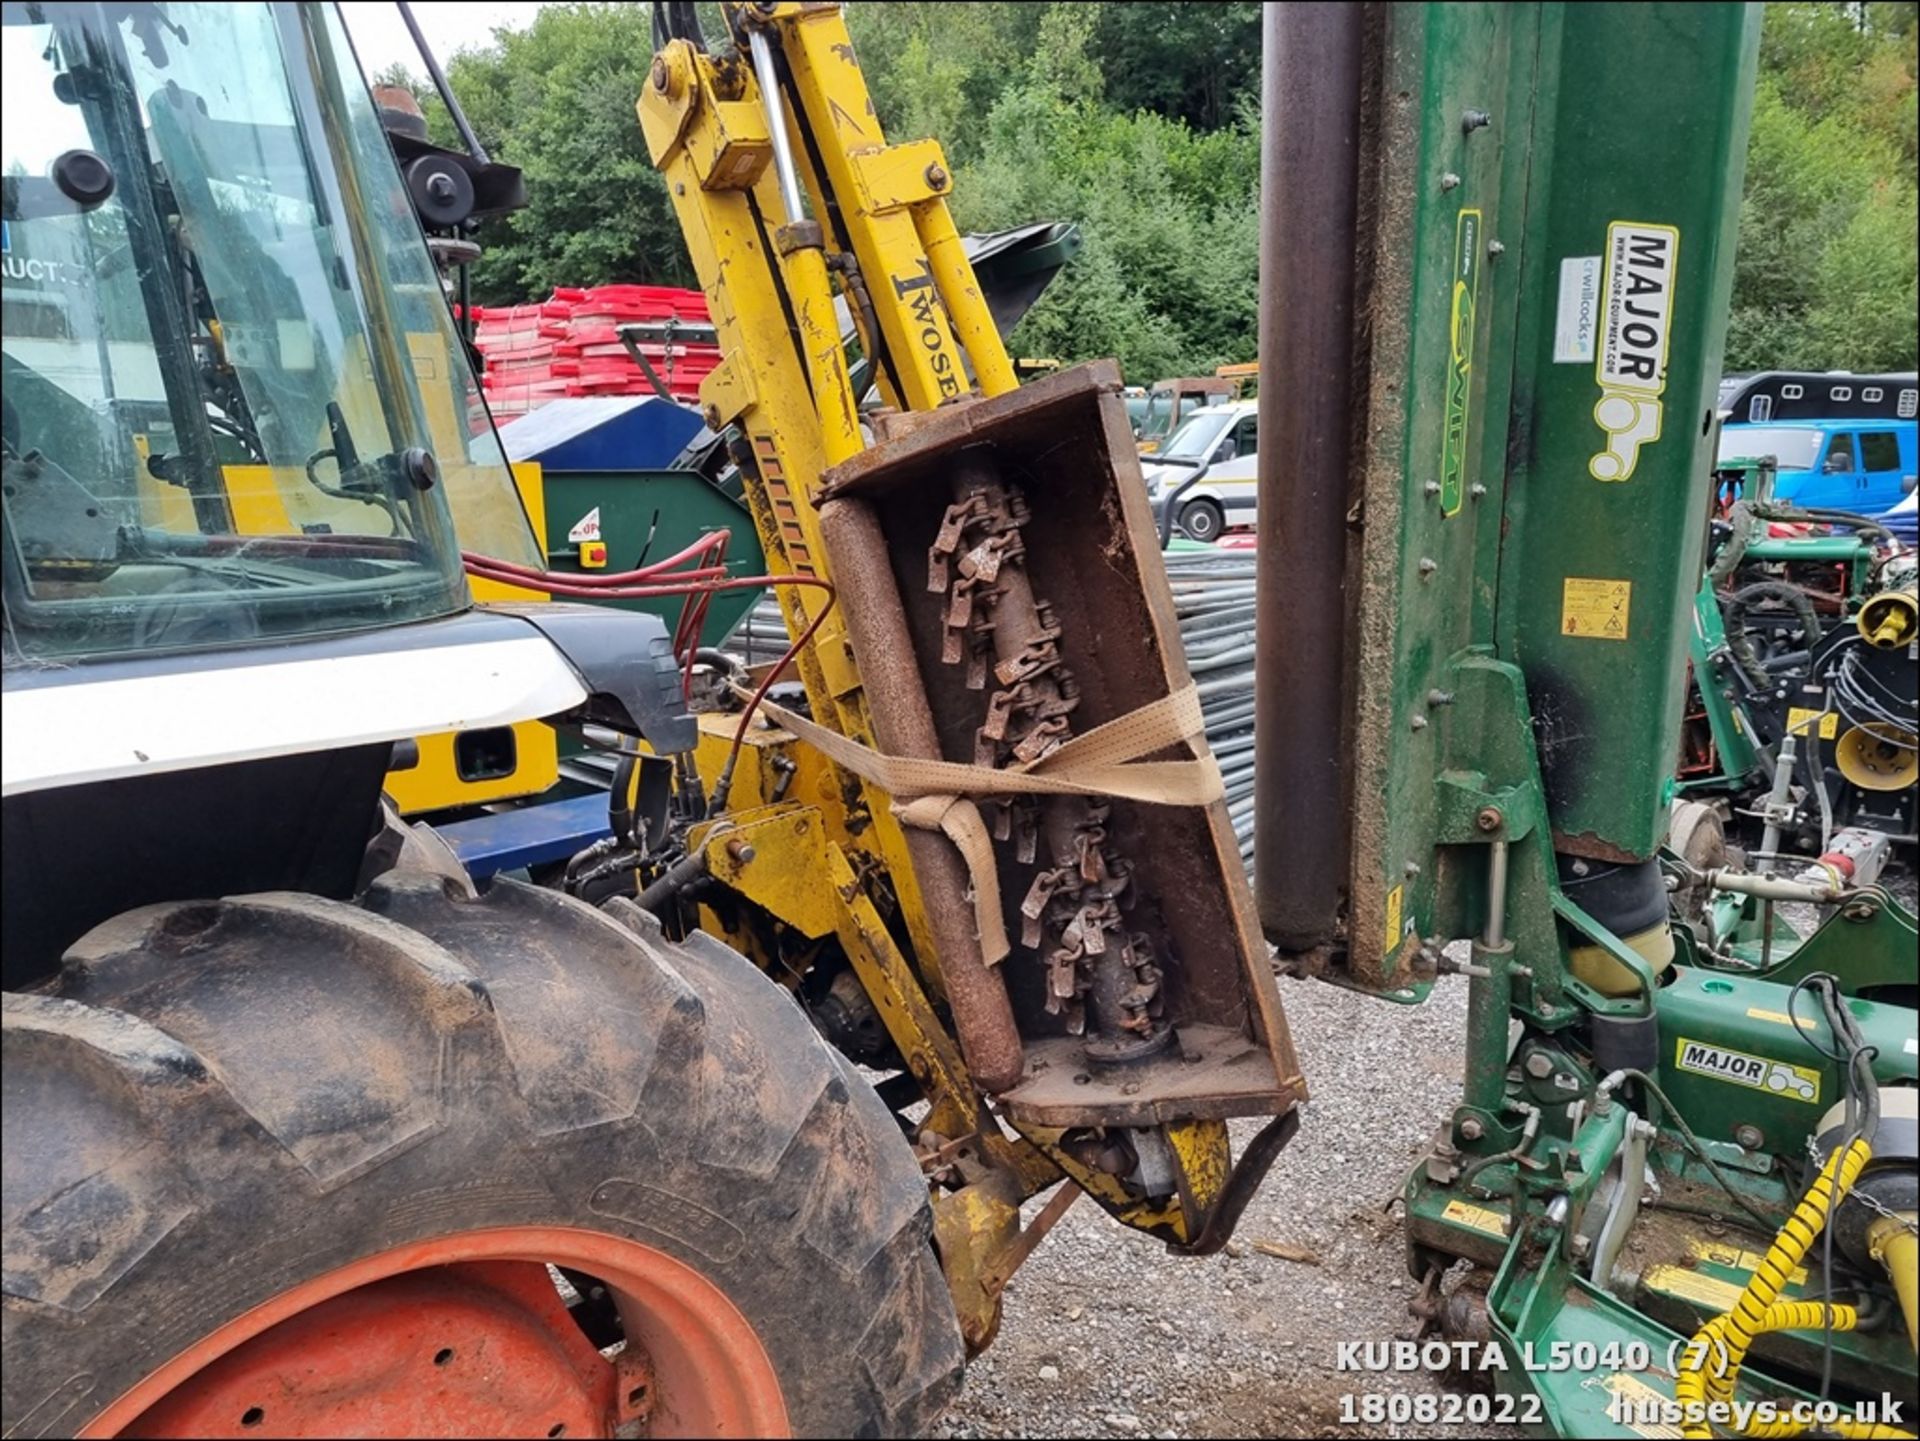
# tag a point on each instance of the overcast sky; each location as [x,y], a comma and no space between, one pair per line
[380,38]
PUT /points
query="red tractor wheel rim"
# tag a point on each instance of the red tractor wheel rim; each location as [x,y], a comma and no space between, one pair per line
[466,1335]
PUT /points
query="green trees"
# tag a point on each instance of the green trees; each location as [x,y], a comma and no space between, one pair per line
[1140,122]
[1167,280]
[1825,277]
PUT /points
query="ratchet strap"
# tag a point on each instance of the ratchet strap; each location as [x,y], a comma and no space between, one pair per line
[1103,764]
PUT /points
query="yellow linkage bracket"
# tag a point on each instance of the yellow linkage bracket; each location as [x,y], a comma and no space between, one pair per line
[746,142]
[885,206]
[708,135]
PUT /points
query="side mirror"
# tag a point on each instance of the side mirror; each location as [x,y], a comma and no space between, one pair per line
[1908,482]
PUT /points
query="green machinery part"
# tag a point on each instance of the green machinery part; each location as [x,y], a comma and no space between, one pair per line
[1523,575]
[1736,758]
[1560,1273]
[1740,749]
[1547,205]
[654,513]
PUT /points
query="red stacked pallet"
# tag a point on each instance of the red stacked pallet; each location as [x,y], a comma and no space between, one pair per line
[569,345]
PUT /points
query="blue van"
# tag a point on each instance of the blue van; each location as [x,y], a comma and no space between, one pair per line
[1864,466]
[1841,441]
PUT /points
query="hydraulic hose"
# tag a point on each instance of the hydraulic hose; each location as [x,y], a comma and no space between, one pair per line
[661,895]
[1717,1337]
[657,581]
[620,797]
[1820,515]
[723,659]
[1789,1248]
[1178,493]
[1529,1129]
[1729,1336]
[1745,599]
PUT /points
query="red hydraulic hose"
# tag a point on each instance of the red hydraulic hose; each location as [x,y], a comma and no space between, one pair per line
[697,586]
[714,539]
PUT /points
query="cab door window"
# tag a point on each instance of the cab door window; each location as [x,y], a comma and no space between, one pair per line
[1240,442]
[1881,477]
[1879,452]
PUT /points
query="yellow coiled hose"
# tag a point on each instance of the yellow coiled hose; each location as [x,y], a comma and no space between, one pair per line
[1729,1336]
[1851,1430]
[1718,1338]
[1741,1324]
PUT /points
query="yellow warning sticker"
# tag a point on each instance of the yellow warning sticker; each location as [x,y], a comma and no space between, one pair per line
[1477,1218]
[1595,609]
[1800,720]
[1779,1018]
[1735,1258]
[1709,1291]
[1642,1397]
[1395,899]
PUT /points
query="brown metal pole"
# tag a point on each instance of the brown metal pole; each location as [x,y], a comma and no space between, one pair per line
[903,726]
[1310,130]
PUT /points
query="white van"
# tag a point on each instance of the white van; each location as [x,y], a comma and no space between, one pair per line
[1227,437]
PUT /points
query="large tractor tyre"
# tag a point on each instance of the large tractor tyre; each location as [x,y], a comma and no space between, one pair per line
[279,1165]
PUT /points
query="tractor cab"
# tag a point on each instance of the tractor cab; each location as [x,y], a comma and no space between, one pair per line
[236,412]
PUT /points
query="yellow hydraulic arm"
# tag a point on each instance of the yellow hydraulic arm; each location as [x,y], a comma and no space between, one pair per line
[737,190]
[737,185]
[799,216]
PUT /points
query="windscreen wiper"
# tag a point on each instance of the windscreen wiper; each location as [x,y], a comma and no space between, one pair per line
[381,481]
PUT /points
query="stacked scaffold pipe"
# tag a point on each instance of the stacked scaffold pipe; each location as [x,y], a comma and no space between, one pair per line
[1213,597]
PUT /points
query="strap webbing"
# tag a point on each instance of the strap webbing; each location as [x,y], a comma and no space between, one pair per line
[940,795]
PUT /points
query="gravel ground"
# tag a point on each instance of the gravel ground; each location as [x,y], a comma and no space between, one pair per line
[1106,1334]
